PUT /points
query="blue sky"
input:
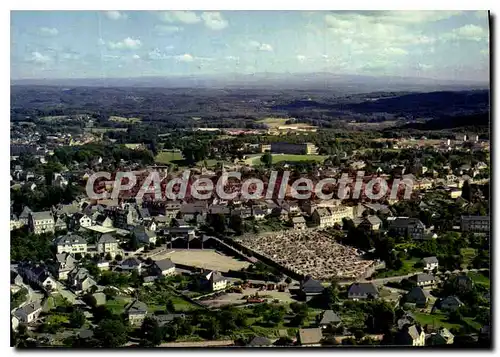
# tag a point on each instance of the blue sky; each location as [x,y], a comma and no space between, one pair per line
[92,44]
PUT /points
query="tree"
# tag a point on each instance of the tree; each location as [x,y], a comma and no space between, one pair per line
[170,307]
[111,333]
[467,191]
[77,318]
[118,258]
[108,256]
[267,159]
[151,332]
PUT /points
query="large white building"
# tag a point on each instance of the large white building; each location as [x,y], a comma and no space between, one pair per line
[41,222]
[71,243]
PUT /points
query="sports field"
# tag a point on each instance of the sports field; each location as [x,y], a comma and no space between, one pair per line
[290,158]
[124,120]
[207,259]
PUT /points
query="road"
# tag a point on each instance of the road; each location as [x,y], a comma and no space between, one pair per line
[382,281]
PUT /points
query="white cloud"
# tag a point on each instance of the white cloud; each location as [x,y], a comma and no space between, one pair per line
[185,17]
[301,58]
[468,32]
[232,58]
[395,51]
[265,47]
[48,31]
[168,29]
[116,15]
[415,17]
[101,42]
[185,58]
[485,52]
[38,57]
[127,44]
[69,56]
[214,20]
[136,56]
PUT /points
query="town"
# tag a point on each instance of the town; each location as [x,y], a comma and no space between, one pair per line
[290,208]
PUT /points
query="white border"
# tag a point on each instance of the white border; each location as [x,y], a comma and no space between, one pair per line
[206,5]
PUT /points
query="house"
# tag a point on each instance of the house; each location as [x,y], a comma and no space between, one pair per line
[144,235]
[476,224]
[329,216]
[15,223]
[329,319]
[442,337]
[172,210]
[103,265]
[164,267]
[406,319]
[309,337]
[215,281]
[28,313]
[65,262]
[103,220]
[410,335]
[136,311]
[16,282]
[25,215]
[80,279]
[259,214]
[108,244]
[405,226]
[417,296]
[369,223]
[60,225]
[131,263]
[259,341]
[41,222]
[463,283]
[450,303]
[71,243]
[310,288]
[430,263]
[165,319]
[100,298]
[39,275]
[362,291]
[298,222]
[79,220]
[423,279]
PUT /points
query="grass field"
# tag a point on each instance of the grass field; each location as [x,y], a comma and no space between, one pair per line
[117,305]
[290,158]
[407,268]
[274,123]
[167,157]
[437,320]
[479,278]
[124,120]
[441,320]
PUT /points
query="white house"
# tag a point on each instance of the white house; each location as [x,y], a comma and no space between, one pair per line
[430,263]
[71,243]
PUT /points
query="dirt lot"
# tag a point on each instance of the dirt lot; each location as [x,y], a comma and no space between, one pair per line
[235,298]
[207,259]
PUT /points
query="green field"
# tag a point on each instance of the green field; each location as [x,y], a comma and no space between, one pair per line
[437,320]
[103,130]
[167,157]
[407,268]
[290,158]
[124,120]
[441,320]
[479,278]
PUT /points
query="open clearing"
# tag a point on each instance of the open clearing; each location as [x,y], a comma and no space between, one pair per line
[207,259]
[124,120]
[237,298]
[275,123]
[166,157]
[288,158]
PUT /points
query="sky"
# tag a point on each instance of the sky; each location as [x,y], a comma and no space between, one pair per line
[122,44]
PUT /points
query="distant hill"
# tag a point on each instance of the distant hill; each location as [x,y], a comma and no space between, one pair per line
[476,120]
